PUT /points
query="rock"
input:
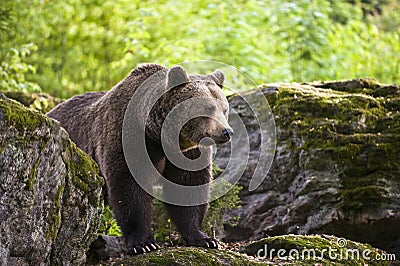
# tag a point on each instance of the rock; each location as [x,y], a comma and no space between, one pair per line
[279,250]
[105,247]
[336,167]
[41,102]
[316,250]
[188,256]
[50,191]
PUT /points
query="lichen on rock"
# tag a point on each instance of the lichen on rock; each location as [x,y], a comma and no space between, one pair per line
[45,216]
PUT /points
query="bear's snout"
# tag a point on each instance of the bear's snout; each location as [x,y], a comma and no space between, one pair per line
[228,133]
[224,136]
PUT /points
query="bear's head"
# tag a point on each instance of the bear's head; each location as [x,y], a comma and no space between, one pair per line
[201,109]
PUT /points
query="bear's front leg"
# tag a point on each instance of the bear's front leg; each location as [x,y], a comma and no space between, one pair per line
[188,219]
[131,206]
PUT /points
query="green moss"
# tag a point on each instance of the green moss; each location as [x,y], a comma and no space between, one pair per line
[38,101]
[363,85]
[84,173]
[314,105]
[189,256]
[54,218]
[20,116]
[314,250]
[351,125]
[349,151]
[365,197]
[392,104]
[385,91]
[32,177]
[343,252]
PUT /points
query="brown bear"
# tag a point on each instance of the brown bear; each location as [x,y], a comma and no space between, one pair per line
[94,122]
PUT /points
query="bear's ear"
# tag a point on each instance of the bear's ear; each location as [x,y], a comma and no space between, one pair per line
[218,77]
[177,76]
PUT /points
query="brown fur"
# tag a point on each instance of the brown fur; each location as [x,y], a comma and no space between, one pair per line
[94,123]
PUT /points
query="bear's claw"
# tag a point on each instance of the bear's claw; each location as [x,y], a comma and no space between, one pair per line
[211,243]
[206,243]
[143,247]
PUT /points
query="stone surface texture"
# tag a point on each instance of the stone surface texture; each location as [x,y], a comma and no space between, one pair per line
[336,168]
[50,191]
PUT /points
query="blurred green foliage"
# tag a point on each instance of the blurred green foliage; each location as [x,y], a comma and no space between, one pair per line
[13,70]
[108,225]
[89,45]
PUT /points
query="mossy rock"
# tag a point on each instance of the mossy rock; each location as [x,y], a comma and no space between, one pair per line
[317,250]
[280,250]
[19,116]
[42,102]
[354,125]
[50,193]
[336,166]
[190,256]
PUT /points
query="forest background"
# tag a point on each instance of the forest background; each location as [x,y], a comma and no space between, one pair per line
[68,47]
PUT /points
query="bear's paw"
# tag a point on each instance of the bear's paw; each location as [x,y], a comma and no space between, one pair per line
[207,242]
[142,247]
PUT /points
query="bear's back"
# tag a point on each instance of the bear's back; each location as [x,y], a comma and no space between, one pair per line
[93,120]
[69,112]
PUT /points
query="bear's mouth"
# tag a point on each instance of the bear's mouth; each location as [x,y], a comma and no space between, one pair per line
[185,144]
[206,141]
[203,141]
[220,140]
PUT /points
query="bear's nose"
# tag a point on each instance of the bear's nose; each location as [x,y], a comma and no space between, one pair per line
[228,133]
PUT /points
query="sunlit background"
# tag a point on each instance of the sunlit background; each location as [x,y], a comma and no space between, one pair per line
[71,46]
